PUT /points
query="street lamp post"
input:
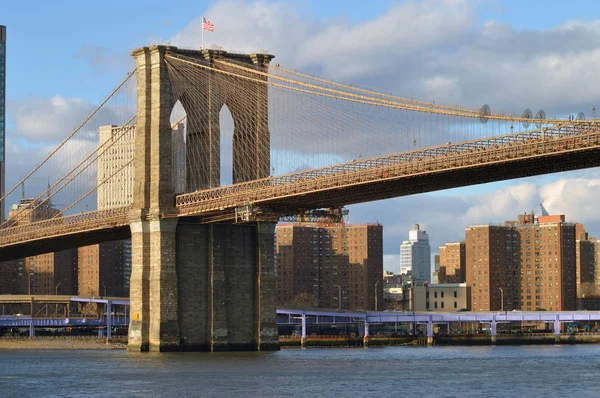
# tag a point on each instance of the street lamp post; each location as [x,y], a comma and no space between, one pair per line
[104,286]
[376,295]
[56,289]
[501,299]
[339,296]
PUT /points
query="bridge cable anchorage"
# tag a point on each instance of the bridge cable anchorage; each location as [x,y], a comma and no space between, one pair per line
[77,129]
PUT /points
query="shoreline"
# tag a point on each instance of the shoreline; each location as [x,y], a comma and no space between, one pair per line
[120,342]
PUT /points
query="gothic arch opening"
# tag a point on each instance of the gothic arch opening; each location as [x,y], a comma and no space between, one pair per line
[227,127]
[178,148]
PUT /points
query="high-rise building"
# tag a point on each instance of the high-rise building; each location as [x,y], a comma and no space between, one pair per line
[2,117]
[330,265]
[115,178]
[587,279]
[452,263]
[101,269]
[415,255]
[530,265]
[436,269]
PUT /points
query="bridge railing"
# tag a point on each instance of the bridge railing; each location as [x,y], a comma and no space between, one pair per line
[453,154]
[66,225]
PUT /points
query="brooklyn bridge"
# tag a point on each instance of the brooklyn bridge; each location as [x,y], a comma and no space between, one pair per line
[302,147]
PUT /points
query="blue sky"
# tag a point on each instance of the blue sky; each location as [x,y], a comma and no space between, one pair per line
[46,40]
[492,51]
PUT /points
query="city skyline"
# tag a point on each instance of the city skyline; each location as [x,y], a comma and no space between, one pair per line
[41,110]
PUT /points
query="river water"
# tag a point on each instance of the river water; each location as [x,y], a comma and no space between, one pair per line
[529,371]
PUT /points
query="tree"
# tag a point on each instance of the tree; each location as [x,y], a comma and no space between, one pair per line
[587,289]
[305,300]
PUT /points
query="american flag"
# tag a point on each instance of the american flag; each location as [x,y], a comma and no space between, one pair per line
[206,25]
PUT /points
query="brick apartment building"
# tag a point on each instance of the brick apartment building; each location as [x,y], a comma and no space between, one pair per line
[452,263]
[530,265]
[335,265]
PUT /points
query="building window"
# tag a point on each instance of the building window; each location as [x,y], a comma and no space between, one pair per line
[455,305]
[442,304]
[435,304]
[455,294]
[435,294]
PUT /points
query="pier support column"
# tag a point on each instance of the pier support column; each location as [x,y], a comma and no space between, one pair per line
[430,331]
[366,336]
[266,297]
[303,338]
[31,329]
[493,331]
[556,330]
[108,321]
[153,285]
[164,324]
[139,295]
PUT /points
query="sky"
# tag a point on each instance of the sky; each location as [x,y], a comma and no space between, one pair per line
[65,56]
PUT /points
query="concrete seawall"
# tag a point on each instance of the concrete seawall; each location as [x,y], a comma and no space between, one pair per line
[62,343]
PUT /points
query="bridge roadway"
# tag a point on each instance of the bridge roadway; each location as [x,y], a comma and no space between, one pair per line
[565,147]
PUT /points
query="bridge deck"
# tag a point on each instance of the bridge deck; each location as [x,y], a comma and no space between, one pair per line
[453,165]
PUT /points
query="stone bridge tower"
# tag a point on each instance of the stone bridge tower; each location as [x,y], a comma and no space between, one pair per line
[198,286]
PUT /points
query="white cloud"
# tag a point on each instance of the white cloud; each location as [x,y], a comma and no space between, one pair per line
[430,49]
[47,119]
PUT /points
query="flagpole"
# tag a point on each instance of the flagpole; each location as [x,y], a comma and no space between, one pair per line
[202,33]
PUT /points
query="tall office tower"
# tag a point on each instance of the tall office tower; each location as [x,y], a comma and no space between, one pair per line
[2,117]
[330,265]
[452,263]
[415,255]
[530,265]
[436,269]
[115,178]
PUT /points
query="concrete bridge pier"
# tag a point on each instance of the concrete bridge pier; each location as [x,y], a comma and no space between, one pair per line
[226,286]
